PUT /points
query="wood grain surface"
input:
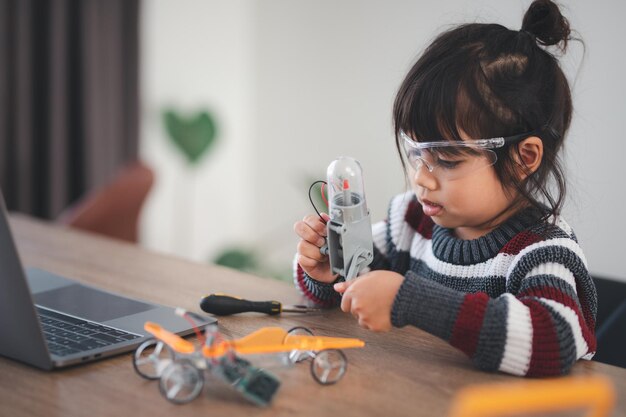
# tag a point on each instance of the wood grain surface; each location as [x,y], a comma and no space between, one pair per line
[403,372]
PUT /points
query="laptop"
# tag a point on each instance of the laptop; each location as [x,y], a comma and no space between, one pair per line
[50,321]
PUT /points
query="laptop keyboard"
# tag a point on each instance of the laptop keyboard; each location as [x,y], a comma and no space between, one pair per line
[67,335]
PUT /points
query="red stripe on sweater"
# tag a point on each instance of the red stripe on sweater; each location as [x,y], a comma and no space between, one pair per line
[545,357]
[519,242]
[469,322]
[552,293]
[417,220]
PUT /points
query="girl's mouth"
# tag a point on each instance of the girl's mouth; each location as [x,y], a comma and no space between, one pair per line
[430,208]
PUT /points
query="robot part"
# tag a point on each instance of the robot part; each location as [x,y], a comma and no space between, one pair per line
[180,366]
[349,242]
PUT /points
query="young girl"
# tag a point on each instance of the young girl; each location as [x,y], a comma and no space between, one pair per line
[477,254]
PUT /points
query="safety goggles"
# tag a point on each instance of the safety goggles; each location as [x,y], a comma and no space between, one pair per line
[451,160]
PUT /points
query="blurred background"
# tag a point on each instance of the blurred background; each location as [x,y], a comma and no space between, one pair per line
[195,127]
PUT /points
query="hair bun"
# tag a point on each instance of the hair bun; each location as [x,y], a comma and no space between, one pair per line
[544,21]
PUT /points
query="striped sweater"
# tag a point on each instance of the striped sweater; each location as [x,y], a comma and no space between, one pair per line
[518,300]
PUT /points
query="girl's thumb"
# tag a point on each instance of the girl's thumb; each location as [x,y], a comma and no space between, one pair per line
[341,286]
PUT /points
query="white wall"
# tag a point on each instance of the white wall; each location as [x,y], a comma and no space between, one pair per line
[197,55]
[596,145]
[297,83]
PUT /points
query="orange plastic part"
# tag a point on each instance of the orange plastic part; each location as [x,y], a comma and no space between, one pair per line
[265,340]
[595,393]
[276,340]
[174,341]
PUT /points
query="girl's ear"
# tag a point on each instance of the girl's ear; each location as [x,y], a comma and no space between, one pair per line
[530,153]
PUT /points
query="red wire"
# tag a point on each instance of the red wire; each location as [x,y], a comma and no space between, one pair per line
[195,329]
[323,196]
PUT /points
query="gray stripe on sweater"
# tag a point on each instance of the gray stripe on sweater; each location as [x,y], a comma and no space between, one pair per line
[543,281]
[449,248]
[379,261]
[549,231]
[493,285]
[418,302]
[323,291]
[541,255]
[492,338]
[400,260]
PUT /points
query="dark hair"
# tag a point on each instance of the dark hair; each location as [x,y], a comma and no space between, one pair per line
[490,81]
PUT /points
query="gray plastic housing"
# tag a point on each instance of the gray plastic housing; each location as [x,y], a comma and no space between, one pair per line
[350,246]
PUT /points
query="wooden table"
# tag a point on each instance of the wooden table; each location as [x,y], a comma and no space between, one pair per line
[404,372]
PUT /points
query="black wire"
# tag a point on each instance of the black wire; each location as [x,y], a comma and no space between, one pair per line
[311,199]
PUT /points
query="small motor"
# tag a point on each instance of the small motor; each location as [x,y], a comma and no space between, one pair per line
[349,242]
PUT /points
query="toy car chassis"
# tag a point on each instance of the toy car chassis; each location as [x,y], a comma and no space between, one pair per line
[180,367]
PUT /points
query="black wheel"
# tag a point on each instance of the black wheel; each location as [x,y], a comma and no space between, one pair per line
[181,382]
[296,356]
[151,357]
[328,366]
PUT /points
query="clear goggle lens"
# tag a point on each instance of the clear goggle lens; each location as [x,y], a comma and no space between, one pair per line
[448,160]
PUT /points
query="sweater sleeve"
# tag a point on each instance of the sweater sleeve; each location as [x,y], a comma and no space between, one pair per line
[539,327]
[319,293]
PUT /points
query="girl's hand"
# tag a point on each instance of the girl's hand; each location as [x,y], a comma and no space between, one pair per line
[312,232]
[370,297]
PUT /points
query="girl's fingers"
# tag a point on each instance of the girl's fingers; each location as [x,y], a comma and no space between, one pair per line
[341,287]
[311,251]
[316,224]
[307,262]
[346,302]
[363,324]
[307,233]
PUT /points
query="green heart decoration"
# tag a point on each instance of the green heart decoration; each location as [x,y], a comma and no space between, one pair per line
[238,258]
[193,136]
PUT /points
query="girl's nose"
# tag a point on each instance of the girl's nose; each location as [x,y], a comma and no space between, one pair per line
[424,178]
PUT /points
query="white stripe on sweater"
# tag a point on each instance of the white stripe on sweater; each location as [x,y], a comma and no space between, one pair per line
[379,236]
[572,319]
[496,266]
[519,337]
[555,269]
[419,245]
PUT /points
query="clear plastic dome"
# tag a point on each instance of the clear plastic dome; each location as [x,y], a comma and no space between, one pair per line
[345,183]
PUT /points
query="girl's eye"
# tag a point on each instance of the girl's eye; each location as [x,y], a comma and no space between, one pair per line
[448,164]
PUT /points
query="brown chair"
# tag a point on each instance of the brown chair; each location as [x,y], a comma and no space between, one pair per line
[114,209]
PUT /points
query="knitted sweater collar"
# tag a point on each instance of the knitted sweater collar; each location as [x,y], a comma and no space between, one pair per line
[448,248]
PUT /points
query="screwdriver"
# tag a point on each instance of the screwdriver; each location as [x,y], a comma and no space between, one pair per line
[225,305]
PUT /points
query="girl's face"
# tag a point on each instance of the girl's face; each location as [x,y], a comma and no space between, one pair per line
[472,205]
